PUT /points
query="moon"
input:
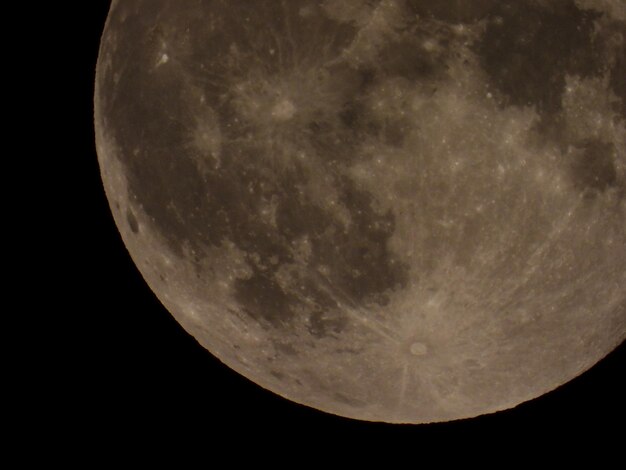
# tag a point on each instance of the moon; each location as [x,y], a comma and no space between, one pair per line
[407,211]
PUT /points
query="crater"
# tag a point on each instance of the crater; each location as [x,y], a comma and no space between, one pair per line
[279,375]
[283,110]
[418,349]
[132,221]
[353,402]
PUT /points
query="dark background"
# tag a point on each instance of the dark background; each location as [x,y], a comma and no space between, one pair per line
[130,370]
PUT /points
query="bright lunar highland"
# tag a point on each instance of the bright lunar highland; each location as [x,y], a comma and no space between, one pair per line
[391,210]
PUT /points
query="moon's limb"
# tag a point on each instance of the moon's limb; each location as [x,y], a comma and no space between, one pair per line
[383,209]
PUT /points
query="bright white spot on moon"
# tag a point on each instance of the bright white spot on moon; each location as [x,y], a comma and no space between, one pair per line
[429,45]
[419,349]
[283,110]
[459,29]
[163,60]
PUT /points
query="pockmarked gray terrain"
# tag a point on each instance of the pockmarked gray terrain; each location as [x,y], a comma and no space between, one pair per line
[391,210]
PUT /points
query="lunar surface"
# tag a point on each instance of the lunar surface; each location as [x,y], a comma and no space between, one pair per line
[391,210]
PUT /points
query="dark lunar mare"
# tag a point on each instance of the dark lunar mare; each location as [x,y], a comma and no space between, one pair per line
[528,50]
[148,111]
[529,47]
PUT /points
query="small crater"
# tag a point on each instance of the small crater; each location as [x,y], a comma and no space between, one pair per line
[278,375]
[353,402]
[132,221]
[418,349]
[284,110]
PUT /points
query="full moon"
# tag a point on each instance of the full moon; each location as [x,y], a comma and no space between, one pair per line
[407,211]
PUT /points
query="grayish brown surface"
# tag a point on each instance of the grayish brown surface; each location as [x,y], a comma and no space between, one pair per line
[396,210]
